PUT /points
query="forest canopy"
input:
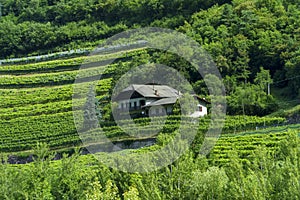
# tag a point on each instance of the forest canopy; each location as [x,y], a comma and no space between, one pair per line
[254,43]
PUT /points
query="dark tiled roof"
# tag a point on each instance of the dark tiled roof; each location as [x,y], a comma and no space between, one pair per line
[152,91]
[201,99]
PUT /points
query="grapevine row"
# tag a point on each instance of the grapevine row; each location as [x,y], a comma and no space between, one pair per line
[24,97]
[66,64]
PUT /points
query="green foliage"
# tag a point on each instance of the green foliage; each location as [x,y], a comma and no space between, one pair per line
[35,26]
[263,78]
[244,145]
[245,35]
[251,99]
[252,43]
[264,174]
[241,37]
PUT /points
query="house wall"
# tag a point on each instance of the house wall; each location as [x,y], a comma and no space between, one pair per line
[126,102]
[200,112]
[204,109]
[157,110]
[137,100]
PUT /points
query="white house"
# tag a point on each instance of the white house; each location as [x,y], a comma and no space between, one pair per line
[152,99]
[202,107]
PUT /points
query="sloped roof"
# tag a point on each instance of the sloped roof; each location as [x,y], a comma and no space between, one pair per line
[152,91]
[201,99]
[165,101]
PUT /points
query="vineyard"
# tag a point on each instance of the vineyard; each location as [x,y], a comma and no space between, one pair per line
[63,62]
[36,99]
[245,144]
[37,112]
[36,105]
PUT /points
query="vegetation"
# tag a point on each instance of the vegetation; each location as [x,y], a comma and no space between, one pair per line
[82,177]
[53,123]
[255,45]
[246,143]
[66,64]
[46,25]
[42,95]
[242,36]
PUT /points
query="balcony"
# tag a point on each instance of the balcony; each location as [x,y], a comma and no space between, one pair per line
[135,108]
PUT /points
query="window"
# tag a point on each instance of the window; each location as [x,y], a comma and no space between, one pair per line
[142,102]
[169,110]
[200,108]
[122,105]
[135,104]
[156,110]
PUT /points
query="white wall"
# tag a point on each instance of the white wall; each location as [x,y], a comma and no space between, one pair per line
[169,108]
[199,113]
[137,100]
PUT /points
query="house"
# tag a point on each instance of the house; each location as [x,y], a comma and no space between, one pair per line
[202,107]
[151,99]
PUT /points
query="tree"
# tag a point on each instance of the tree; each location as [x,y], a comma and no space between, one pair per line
[241,59]
[263,80]
[292,68]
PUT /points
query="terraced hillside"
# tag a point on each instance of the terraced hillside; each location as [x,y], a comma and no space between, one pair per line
[246,143]
[36,106]
[36,103]
[36,100]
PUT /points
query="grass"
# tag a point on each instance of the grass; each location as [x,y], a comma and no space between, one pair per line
[288,105]
[287,112]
